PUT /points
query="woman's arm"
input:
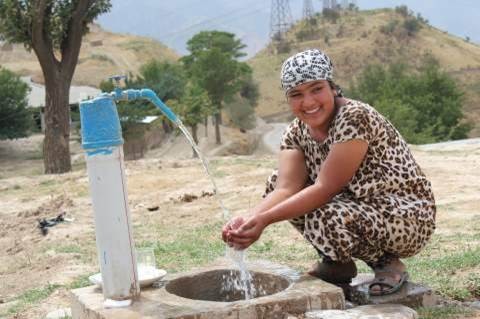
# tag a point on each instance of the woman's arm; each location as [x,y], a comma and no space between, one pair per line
[292,177]
[338,169]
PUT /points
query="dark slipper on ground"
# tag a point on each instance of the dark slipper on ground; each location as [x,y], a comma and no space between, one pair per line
[334,272]
[387,284]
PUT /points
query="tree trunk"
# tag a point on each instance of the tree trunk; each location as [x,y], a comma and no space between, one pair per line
[206,126]
[195,138]
[56,147]
[218,119]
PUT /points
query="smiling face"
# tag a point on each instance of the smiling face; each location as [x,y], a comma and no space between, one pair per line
[313,103]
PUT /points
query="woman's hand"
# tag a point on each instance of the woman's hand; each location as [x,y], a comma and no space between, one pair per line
[246,233]
[232,224]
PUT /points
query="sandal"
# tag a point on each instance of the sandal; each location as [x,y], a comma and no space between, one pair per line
[387,284]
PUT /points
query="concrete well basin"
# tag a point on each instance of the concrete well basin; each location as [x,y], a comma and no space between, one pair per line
[202,294]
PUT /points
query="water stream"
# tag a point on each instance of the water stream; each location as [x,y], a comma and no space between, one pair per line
[244,282]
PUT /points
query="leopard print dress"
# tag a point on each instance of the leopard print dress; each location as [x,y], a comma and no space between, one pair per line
[387,210]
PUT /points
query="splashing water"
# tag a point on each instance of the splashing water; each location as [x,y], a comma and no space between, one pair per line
[226,214]
[244,282]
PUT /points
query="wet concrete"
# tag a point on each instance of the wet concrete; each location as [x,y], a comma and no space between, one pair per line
[291,294]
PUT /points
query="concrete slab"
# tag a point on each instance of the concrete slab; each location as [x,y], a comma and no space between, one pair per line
[305,293]
[410,295]
[386,311]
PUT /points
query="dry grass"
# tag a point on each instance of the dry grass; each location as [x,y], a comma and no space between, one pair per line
[102,55]
[37,271]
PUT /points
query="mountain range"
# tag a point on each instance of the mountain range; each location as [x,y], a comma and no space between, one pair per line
[174,22]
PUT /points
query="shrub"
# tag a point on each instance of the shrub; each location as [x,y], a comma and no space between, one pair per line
[15,120]
[424,105]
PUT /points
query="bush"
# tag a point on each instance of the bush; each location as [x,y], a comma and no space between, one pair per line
[403,11]
[425,106]
[241,113]
[15,120]
[412,25]
[390,27]
[331,15]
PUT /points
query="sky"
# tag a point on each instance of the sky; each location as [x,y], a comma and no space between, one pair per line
[174,22]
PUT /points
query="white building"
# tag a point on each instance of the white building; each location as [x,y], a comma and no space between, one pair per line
[36,96]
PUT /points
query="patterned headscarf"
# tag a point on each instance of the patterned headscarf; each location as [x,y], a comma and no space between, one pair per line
[306,66]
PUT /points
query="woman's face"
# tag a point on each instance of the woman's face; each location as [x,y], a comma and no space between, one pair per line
[313,103]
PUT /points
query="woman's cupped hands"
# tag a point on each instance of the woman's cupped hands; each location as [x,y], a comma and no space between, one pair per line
[241,232]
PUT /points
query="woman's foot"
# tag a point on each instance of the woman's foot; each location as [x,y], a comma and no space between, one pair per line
[334,272]
[389,278]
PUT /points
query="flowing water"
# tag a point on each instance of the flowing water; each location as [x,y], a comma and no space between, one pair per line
[244,282]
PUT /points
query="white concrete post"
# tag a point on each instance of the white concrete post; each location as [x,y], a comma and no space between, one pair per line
[116,251]
[102,140]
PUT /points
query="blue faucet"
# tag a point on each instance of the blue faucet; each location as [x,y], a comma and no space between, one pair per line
[99,117]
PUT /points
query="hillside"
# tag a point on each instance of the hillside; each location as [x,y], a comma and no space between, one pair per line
[102,54]
[355,41]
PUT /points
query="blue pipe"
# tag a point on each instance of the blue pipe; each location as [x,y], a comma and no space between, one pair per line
[100,122]
[152,97]
[130,95]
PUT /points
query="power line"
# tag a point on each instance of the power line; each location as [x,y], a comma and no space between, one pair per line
[307,10]
[280,20]
[206,21]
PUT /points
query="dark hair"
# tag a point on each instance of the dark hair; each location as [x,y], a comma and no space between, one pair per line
[336,87]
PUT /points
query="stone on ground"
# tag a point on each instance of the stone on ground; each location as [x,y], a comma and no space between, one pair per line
[59,314]
[410,295]
[385,311]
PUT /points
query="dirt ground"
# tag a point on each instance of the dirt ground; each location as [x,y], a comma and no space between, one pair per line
[30,260]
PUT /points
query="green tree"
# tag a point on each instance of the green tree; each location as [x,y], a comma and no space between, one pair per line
[54,30]
[167,80]
[15,120]
[425,105]
[192,108]
[331,15]
[213,65]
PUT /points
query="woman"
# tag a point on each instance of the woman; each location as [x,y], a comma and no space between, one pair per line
[346,180]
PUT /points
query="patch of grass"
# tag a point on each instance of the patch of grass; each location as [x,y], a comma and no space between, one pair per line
[441,267]
[189,248]
[448,312]
[80,282]
[272,246]
[47,182]
[102,58]
[69,249]
[218,173]
[134,45]
[32,296]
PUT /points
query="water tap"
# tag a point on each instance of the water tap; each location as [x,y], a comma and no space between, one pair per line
[116,82]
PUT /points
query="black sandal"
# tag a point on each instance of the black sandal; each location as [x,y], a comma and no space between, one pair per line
[387,284]
[334,272]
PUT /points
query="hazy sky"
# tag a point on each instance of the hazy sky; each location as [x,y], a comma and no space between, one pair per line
[460,17]
[174,22]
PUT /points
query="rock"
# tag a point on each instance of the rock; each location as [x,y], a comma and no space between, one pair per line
[474,304]
[410,295]
[385,311]
[59,314]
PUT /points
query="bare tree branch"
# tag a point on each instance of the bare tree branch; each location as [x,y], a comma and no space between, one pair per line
[40,44]
[73,40]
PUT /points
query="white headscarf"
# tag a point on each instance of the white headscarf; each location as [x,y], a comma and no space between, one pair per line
[306,66]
